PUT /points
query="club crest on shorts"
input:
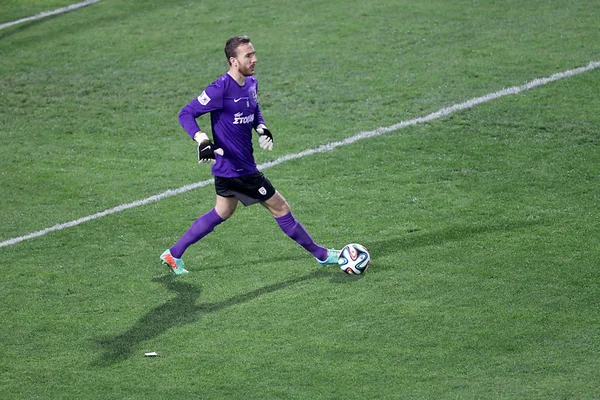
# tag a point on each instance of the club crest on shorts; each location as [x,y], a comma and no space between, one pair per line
[262,190]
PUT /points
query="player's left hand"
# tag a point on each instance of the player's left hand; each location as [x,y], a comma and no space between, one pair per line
[265,137]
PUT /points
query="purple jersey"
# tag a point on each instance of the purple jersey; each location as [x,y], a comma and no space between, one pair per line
[234,112]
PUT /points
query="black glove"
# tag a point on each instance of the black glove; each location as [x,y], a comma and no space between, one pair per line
[206,148]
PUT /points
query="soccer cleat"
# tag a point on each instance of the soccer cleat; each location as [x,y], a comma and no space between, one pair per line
[332,257]
[175,264]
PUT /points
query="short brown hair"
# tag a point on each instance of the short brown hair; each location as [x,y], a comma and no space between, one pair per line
[232,44]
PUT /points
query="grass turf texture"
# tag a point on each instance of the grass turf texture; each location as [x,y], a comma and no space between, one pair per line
[482,226]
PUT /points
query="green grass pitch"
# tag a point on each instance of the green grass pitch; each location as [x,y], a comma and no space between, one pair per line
[483,225]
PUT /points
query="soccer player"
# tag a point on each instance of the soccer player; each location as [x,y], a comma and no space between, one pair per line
[232,101]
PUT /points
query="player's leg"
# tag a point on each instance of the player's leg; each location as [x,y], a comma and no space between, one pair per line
[224,208]
[281,211]
[277,205]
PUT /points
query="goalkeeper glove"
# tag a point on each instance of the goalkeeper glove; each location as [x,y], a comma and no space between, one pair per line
[265,137]
[206,148]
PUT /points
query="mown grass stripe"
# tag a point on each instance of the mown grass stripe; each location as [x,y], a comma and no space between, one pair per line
[321,149]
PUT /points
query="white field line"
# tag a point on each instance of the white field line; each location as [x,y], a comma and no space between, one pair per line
[49,13]
[321,149]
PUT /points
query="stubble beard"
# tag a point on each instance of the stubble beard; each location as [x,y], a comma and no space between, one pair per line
[247,71]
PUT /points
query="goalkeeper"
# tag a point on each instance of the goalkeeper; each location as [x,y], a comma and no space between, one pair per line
[232,102]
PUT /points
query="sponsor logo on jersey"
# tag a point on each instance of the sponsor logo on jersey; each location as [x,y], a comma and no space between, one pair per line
[203,98]
[255,95]
[239,118]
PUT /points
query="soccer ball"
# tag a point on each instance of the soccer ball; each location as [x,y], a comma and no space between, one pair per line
[354,259]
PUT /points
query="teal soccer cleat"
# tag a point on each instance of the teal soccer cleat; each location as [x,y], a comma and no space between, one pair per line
[175,264]
[332,257]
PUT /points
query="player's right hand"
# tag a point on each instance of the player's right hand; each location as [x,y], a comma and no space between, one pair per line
[206,148]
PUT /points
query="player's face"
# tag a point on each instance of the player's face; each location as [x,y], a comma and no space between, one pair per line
[246,59]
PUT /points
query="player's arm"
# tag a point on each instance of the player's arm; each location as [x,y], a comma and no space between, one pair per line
[265,137]
[188,115]
[209,100]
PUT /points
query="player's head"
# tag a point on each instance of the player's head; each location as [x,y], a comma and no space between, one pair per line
[240,54]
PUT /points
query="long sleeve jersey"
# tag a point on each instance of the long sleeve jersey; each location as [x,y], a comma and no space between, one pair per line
[234,112]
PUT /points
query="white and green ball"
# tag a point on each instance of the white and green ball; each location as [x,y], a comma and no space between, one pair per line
[354,259]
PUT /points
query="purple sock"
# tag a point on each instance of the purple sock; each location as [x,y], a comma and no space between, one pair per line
[200,228]
[296,231]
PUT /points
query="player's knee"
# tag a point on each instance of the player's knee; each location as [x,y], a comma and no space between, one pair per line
[224,212]
[225,206]
[278,206]
[285,209]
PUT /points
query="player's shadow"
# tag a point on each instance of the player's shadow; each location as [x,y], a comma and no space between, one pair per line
[417,238]
[181,310]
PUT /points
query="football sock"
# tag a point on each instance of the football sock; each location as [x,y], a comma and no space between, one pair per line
[200,228]
[294,229]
